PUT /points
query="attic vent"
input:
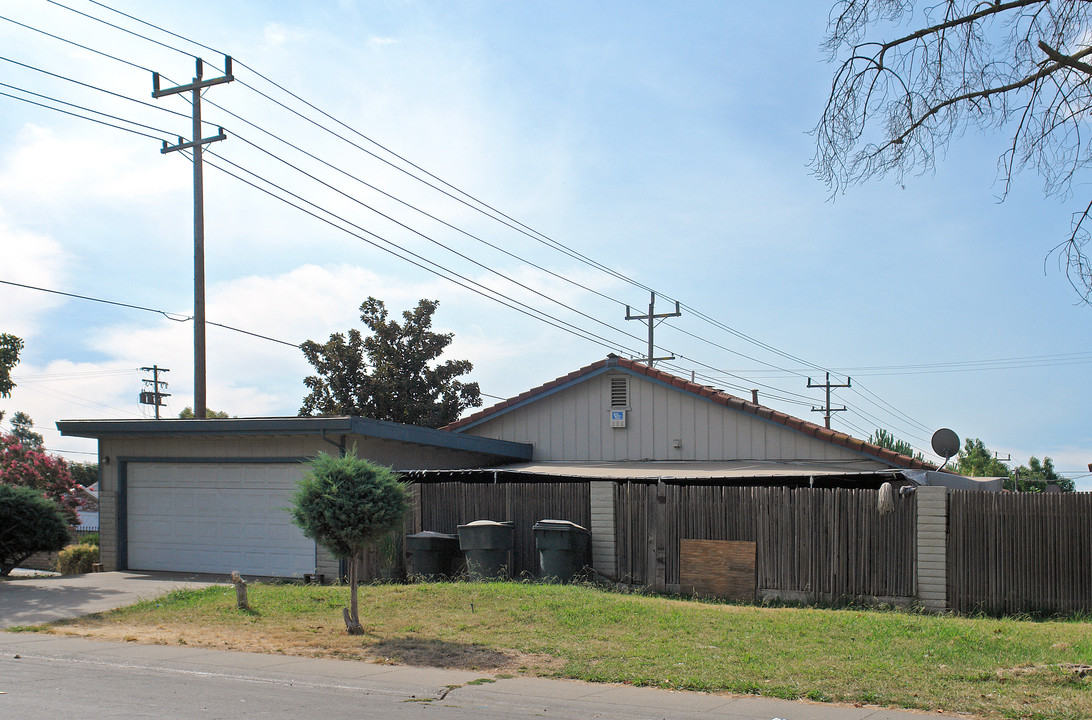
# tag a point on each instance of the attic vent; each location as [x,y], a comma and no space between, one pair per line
[619,391]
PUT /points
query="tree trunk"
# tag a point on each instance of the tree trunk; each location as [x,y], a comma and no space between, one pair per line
[240,590]
[351,613]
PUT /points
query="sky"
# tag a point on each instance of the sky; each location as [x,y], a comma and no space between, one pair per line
[575,157]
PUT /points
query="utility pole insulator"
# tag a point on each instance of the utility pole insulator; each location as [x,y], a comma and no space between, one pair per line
[651,318]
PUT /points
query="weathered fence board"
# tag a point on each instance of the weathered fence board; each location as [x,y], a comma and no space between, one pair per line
[822,543]
[1020,552]
[443,506]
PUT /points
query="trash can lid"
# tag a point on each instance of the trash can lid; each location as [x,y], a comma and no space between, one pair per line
[433,534]
[559,525]
[479,523]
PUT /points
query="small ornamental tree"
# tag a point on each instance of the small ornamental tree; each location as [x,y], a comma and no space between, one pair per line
[345,504]
[29,523]
[48,474]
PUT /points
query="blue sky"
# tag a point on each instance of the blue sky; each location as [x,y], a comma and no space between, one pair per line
[669,142]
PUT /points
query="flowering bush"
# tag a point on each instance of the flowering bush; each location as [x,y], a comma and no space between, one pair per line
[48,474]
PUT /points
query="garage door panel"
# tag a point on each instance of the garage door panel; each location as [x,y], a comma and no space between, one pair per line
[212,517]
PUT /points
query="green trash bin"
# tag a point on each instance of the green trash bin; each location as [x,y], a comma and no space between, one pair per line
[564,549]
[487,545]
[433,555]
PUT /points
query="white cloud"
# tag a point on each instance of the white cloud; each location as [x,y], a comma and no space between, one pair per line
[31,259]
[71,172]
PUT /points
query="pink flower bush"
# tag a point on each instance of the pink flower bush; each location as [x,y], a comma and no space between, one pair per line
[20,465]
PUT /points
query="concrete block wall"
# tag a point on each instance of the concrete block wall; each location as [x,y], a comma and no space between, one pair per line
[932,565]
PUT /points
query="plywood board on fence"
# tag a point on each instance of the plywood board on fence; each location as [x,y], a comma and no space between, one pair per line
[720,568]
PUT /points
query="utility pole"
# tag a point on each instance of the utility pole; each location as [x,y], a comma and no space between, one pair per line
[827,410]
[195,144]
[652,317]
[155,395]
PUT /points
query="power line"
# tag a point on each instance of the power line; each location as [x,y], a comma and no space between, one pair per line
[417,259]
[538,236]
[80,107]
[164,313]
[76,44]
[118,27]
[96,88]
[77,115]
[430,239]
[493,213]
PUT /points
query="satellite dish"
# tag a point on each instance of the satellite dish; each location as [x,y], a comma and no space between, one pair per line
[945,443]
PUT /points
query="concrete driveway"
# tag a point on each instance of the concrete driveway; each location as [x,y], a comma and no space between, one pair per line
[31,601]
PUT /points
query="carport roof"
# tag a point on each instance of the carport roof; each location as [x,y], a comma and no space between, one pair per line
[323,426]
[677,470]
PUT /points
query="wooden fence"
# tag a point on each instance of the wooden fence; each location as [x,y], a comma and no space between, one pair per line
[443,506]
[1020,552]
[825,544]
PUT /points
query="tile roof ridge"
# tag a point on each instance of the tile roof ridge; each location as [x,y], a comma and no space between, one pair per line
[720,397]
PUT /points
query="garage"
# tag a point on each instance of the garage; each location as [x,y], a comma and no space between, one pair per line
[208,496]
[214,518]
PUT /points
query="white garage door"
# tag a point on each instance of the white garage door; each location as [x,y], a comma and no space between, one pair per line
[215,518]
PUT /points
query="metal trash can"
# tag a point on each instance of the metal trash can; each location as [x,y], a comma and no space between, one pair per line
[564,549]
[433,555]
[487,545]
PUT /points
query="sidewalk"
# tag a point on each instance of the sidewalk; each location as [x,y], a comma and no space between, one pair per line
[42,598]
[522,696]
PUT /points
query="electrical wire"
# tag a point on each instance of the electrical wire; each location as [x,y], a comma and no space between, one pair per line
[421,262]
[76,44]
[80,107]
[164,313]
[96,88]
[77,115]
[432,240]
[525,229]
[540,237]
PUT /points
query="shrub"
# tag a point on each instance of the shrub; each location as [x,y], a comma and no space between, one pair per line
[25,466]
[29,523]
[345,504]
[77,559]
[90,537]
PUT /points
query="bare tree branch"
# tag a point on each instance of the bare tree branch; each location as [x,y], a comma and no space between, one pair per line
[1018,67]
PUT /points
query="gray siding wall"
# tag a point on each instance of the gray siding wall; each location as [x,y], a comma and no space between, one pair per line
[573,425]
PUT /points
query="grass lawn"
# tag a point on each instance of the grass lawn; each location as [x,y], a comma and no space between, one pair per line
[1007,668]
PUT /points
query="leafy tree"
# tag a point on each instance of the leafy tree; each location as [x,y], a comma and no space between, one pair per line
[1035,476]
[22,427]
[187,414]
[29,523]
[392,374]
[345,504]
[976,460]
[914,76]
[886,440]
[84,473]
[9,358]
[47,474]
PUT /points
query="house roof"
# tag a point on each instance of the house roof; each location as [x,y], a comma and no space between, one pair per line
[718,397]
[322,426]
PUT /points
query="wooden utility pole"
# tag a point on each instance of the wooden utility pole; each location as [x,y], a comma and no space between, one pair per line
[652,317]
[827,409]
[199,400]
